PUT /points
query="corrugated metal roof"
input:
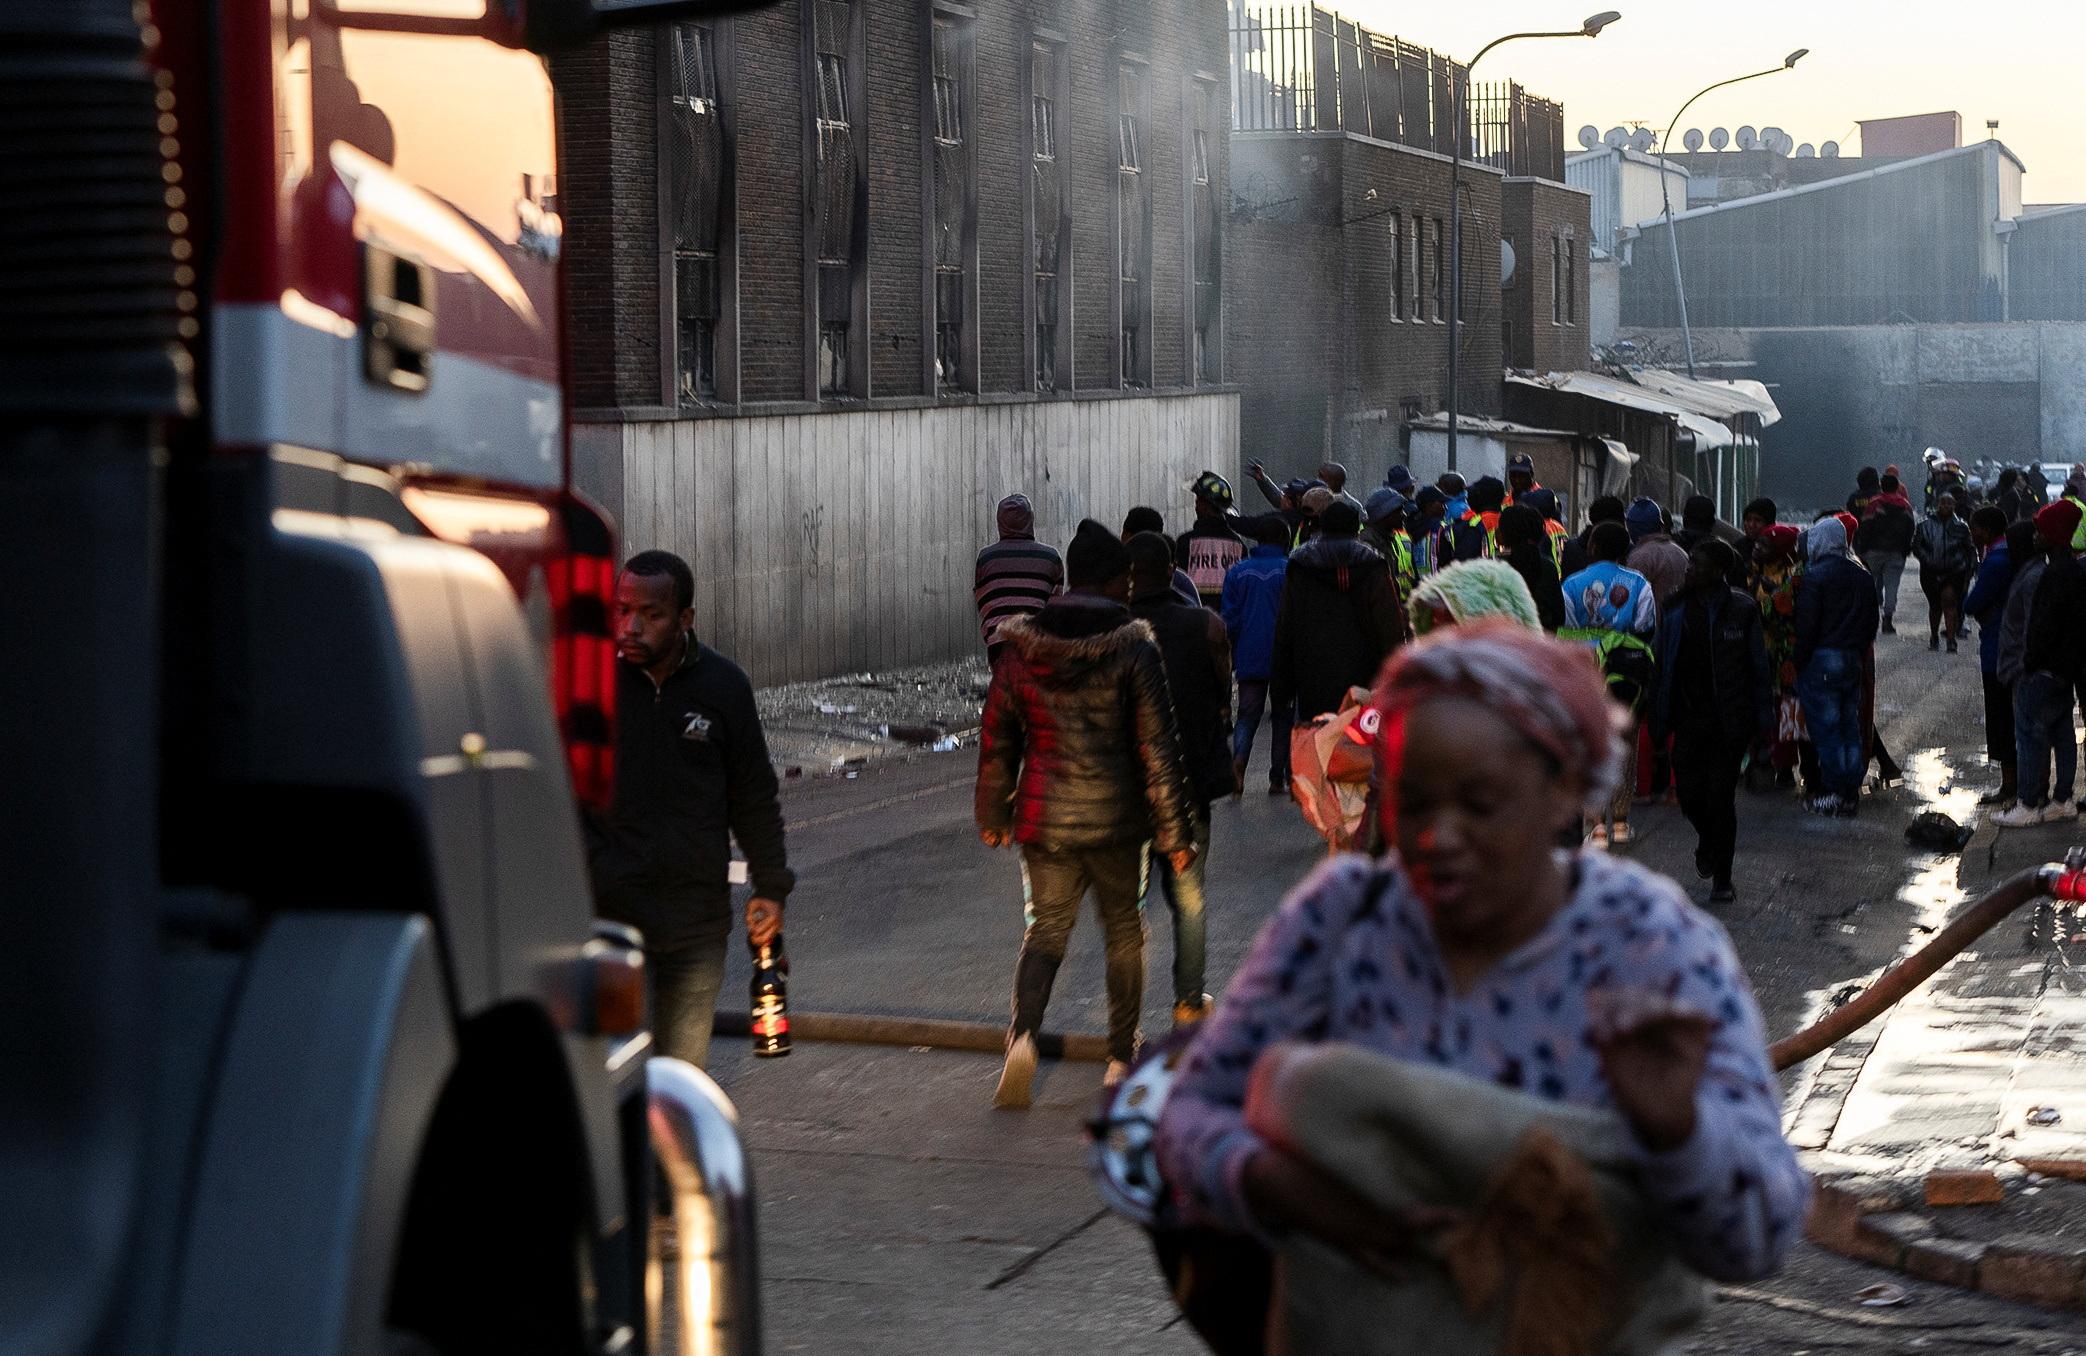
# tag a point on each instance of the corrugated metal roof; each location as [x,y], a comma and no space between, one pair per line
[1709,434]
[1826,185]
[1478,423]
[1717,399]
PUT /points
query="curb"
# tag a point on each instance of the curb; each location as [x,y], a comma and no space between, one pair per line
[1877,1220]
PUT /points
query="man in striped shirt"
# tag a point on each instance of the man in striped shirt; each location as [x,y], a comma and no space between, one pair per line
[1016,575]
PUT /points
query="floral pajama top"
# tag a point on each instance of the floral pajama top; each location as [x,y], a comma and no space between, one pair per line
[1351,957]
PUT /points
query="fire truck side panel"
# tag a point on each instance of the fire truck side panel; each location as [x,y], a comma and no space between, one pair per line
[336,1056]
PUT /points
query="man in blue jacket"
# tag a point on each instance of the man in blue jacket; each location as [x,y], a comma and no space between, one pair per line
[1714,699]
[1252,603]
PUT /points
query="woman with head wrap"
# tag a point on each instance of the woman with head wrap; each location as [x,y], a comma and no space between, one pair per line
[1836,618]
[1777,570]
[1575,978]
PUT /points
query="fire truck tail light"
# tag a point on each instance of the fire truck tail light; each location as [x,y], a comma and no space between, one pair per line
[583,653]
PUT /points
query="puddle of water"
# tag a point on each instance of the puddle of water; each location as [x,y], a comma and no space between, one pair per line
[1932,891]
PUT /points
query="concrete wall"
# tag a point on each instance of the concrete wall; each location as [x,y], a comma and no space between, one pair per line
[1871,395]
[834,543]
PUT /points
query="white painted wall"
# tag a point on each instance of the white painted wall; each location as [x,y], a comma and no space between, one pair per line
[840,542]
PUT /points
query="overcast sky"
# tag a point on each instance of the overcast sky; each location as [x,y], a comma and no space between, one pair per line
[2020,61]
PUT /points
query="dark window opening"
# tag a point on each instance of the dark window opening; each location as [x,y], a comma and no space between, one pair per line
[1571,281]
[1046,209]
[954,203]
[1133,230]
[1397,269]
[838,194]
[1205,341]
[1556,280]
[695,163]
[1438,264]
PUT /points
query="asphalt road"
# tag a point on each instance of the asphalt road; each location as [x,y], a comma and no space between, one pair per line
[900,1213]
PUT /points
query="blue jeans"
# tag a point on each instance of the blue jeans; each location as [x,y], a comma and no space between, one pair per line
[2043,727]
[1830,690]
[1184,896]
[1253,701]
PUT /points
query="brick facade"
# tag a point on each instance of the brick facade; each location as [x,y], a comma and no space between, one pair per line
[1544,306]
[1323,364]
[611,100]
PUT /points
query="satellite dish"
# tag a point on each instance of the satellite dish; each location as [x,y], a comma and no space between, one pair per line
[1590,136]
[1771,140]
[1643,139]
[1506,262]
[1719,139]
[1806,151]
[1693,139]
[1748,139]
[1618,137]
[1830,150]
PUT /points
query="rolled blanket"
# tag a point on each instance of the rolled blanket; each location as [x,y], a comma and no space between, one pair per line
[1559,1254]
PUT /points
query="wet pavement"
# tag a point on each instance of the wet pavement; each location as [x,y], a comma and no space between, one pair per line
[899,1212]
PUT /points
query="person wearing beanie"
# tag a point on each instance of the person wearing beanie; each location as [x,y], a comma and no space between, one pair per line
[1883,541]
[1425,527]
[1867,485]
[2051,669]
[1079,765]
[1340,618]
[1384,516]
[1144,518]
[1252,605]
[1016,575]
[1653,552]
[1209,549]
[1196,651]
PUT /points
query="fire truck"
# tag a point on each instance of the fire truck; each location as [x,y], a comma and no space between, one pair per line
[312,1042]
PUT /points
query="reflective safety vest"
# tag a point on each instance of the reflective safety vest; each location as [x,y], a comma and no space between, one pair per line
[2079,537]
[1627,660]
[1558,534]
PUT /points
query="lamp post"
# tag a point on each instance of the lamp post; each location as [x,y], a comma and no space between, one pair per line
[1687,336]
[1590,29]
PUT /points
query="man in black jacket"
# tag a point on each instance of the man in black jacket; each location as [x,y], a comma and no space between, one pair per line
[1196,650]
[1079,764]
[1714,700]
[1340,618]
[692,773]
[2052,665]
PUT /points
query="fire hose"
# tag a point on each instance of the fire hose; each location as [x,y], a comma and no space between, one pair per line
[2064,881]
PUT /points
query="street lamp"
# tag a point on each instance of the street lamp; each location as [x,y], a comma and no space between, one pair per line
[1590,29]
[1687,336]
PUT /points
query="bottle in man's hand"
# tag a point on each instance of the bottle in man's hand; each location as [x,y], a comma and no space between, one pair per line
[770,999]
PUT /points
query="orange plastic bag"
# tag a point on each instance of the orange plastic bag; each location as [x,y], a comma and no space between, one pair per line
[1330,760]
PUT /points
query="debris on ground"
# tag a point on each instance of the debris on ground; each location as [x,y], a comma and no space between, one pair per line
[837,726]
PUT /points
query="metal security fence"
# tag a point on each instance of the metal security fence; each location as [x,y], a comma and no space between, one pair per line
[1300,68]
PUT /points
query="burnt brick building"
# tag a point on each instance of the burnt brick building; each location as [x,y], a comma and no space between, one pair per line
[844,272]
[1338,250]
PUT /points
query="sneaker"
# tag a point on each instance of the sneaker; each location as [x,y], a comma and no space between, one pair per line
[1115,1073]
[2021,816]
[1017,1074]
[1620,834]
[1933,642]
[2057,811]
[1826,803]
[1597,836]
[1998,795]
[1951,644]
[1722,893]
[1702,866]
[1890,628]
[1188,1014]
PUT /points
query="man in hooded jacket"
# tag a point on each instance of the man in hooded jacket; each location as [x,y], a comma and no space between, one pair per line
[1079,764]
[1340,618]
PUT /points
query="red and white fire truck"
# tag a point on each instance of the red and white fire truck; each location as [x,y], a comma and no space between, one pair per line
[312,1042]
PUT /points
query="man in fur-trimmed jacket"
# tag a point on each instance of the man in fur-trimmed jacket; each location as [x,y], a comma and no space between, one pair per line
[1080,765]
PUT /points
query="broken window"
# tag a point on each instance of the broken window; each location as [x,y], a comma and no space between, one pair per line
[1133,229]
[1205,264]
[696,220]
[1397,267]
[838,194]
[954,208]
[1556,280]
[1571,281]
[1439,267]
[1046,208]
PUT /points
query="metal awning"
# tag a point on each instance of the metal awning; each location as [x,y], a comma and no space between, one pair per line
[1709,434]
[1719,400]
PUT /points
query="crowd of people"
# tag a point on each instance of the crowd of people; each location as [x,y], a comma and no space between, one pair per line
[1734,655]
